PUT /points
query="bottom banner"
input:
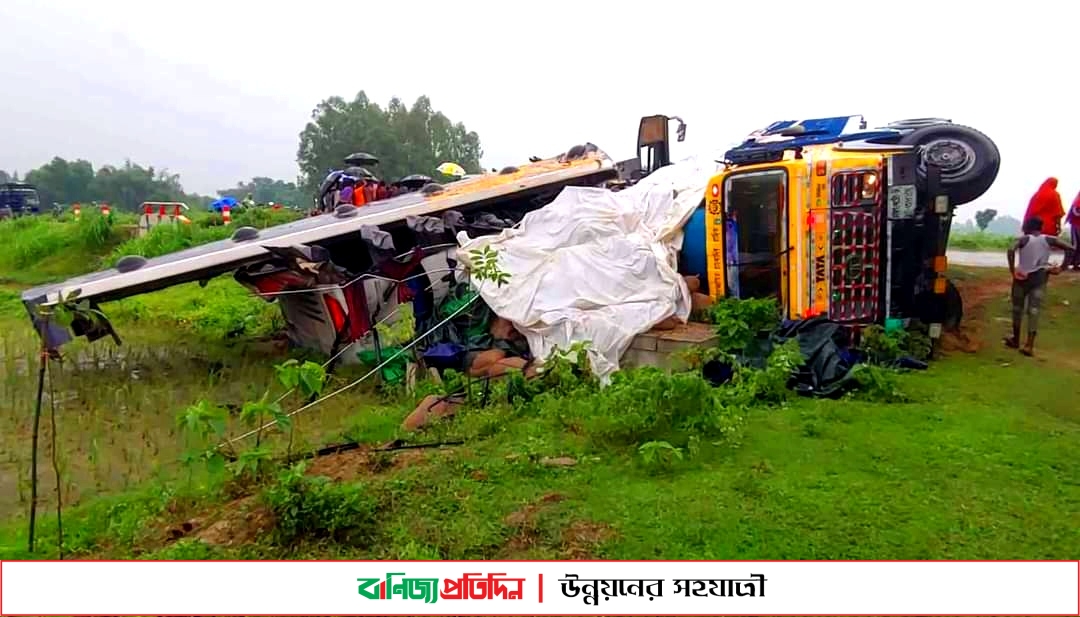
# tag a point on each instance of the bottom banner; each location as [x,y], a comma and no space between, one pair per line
[539,588]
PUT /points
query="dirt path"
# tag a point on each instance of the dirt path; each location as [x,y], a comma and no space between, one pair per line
[978,292]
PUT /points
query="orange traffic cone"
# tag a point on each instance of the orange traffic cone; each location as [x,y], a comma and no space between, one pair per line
[226,216]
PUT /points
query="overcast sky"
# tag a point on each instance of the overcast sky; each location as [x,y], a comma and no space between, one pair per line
[218,91]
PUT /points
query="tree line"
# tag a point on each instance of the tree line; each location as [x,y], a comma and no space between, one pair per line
[407,140]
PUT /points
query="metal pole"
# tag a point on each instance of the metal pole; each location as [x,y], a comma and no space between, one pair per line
[34,447]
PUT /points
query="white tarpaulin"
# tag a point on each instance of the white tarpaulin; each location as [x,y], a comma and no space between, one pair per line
[596,265]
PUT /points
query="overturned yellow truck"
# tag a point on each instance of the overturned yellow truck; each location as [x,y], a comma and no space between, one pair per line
[839,221]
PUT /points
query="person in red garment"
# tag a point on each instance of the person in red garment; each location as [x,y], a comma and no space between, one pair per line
[1046,205]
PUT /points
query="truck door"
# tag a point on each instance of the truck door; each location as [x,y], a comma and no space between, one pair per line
[654,144]
[756,217]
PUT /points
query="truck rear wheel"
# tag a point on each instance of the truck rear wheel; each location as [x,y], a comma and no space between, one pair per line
[954,308]
[969,161]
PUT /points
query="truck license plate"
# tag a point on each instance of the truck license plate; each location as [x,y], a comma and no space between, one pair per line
[902,201]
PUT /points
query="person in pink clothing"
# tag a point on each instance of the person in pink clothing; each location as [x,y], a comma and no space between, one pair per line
[1072,260]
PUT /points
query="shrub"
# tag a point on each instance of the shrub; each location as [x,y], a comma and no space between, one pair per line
[878,384]
[645,404]
[883,347]
[314,508]
[738,322]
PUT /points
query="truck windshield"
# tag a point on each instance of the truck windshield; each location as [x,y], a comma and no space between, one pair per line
[756,229]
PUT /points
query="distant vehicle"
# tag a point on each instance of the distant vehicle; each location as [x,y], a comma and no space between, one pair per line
[18,199]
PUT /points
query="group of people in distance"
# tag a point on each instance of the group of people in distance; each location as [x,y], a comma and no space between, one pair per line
[357,190]
[1029,258]
[360,191]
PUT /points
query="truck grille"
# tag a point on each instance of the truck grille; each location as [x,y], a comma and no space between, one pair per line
[856,256]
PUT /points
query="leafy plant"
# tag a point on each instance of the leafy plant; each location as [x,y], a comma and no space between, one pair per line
[878,384]
[201,423]
[485,266]
[884,347]
[770,385]
[659,455]
[312,508]
[252,463]
[309,377]
[739,321]
[645,404]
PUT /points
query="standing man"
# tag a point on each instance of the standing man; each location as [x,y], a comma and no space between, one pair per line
[1030,277]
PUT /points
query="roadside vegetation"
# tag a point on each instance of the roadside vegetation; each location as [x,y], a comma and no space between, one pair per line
[971,459]
[985,241]
[37,249]
[980,241]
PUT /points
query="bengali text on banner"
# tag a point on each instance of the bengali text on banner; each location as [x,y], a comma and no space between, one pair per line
[539,588]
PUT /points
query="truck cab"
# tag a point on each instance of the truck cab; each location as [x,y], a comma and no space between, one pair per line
[18,198]
[851,229]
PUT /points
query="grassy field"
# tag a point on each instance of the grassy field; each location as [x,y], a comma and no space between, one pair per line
[980,241]
[979,461]
[986,241]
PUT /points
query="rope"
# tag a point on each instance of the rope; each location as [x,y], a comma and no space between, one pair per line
[357,382]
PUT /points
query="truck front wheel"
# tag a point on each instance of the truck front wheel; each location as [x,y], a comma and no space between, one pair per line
[954,308]
[969,161]
[946,309]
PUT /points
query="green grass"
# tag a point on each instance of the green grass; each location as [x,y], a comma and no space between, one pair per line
[165,239]
[981,464]
[40,249]
[985,241]
[980,241]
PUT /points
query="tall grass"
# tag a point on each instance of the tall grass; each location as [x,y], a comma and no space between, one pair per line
[165,239]
[980,241]
[27,240]
[985,241]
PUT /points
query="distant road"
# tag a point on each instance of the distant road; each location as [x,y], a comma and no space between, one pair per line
[988,259]
[978,259]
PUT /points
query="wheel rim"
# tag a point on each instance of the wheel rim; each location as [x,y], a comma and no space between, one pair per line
[955,158]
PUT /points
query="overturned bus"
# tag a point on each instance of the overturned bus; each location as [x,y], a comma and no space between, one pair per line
[839,221]
[336,274]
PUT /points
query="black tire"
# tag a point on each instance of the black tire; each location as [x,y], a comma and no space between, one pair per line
[954,308]
[946,309]
[969,160]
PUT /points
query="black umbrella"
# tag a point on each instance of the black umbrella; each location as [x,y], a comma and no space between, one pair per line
[414,181]
[359,172]
[361,158]
[329,182]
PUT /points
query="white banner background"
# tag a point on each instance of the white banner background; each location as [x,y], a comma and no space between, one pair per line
[331,588]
